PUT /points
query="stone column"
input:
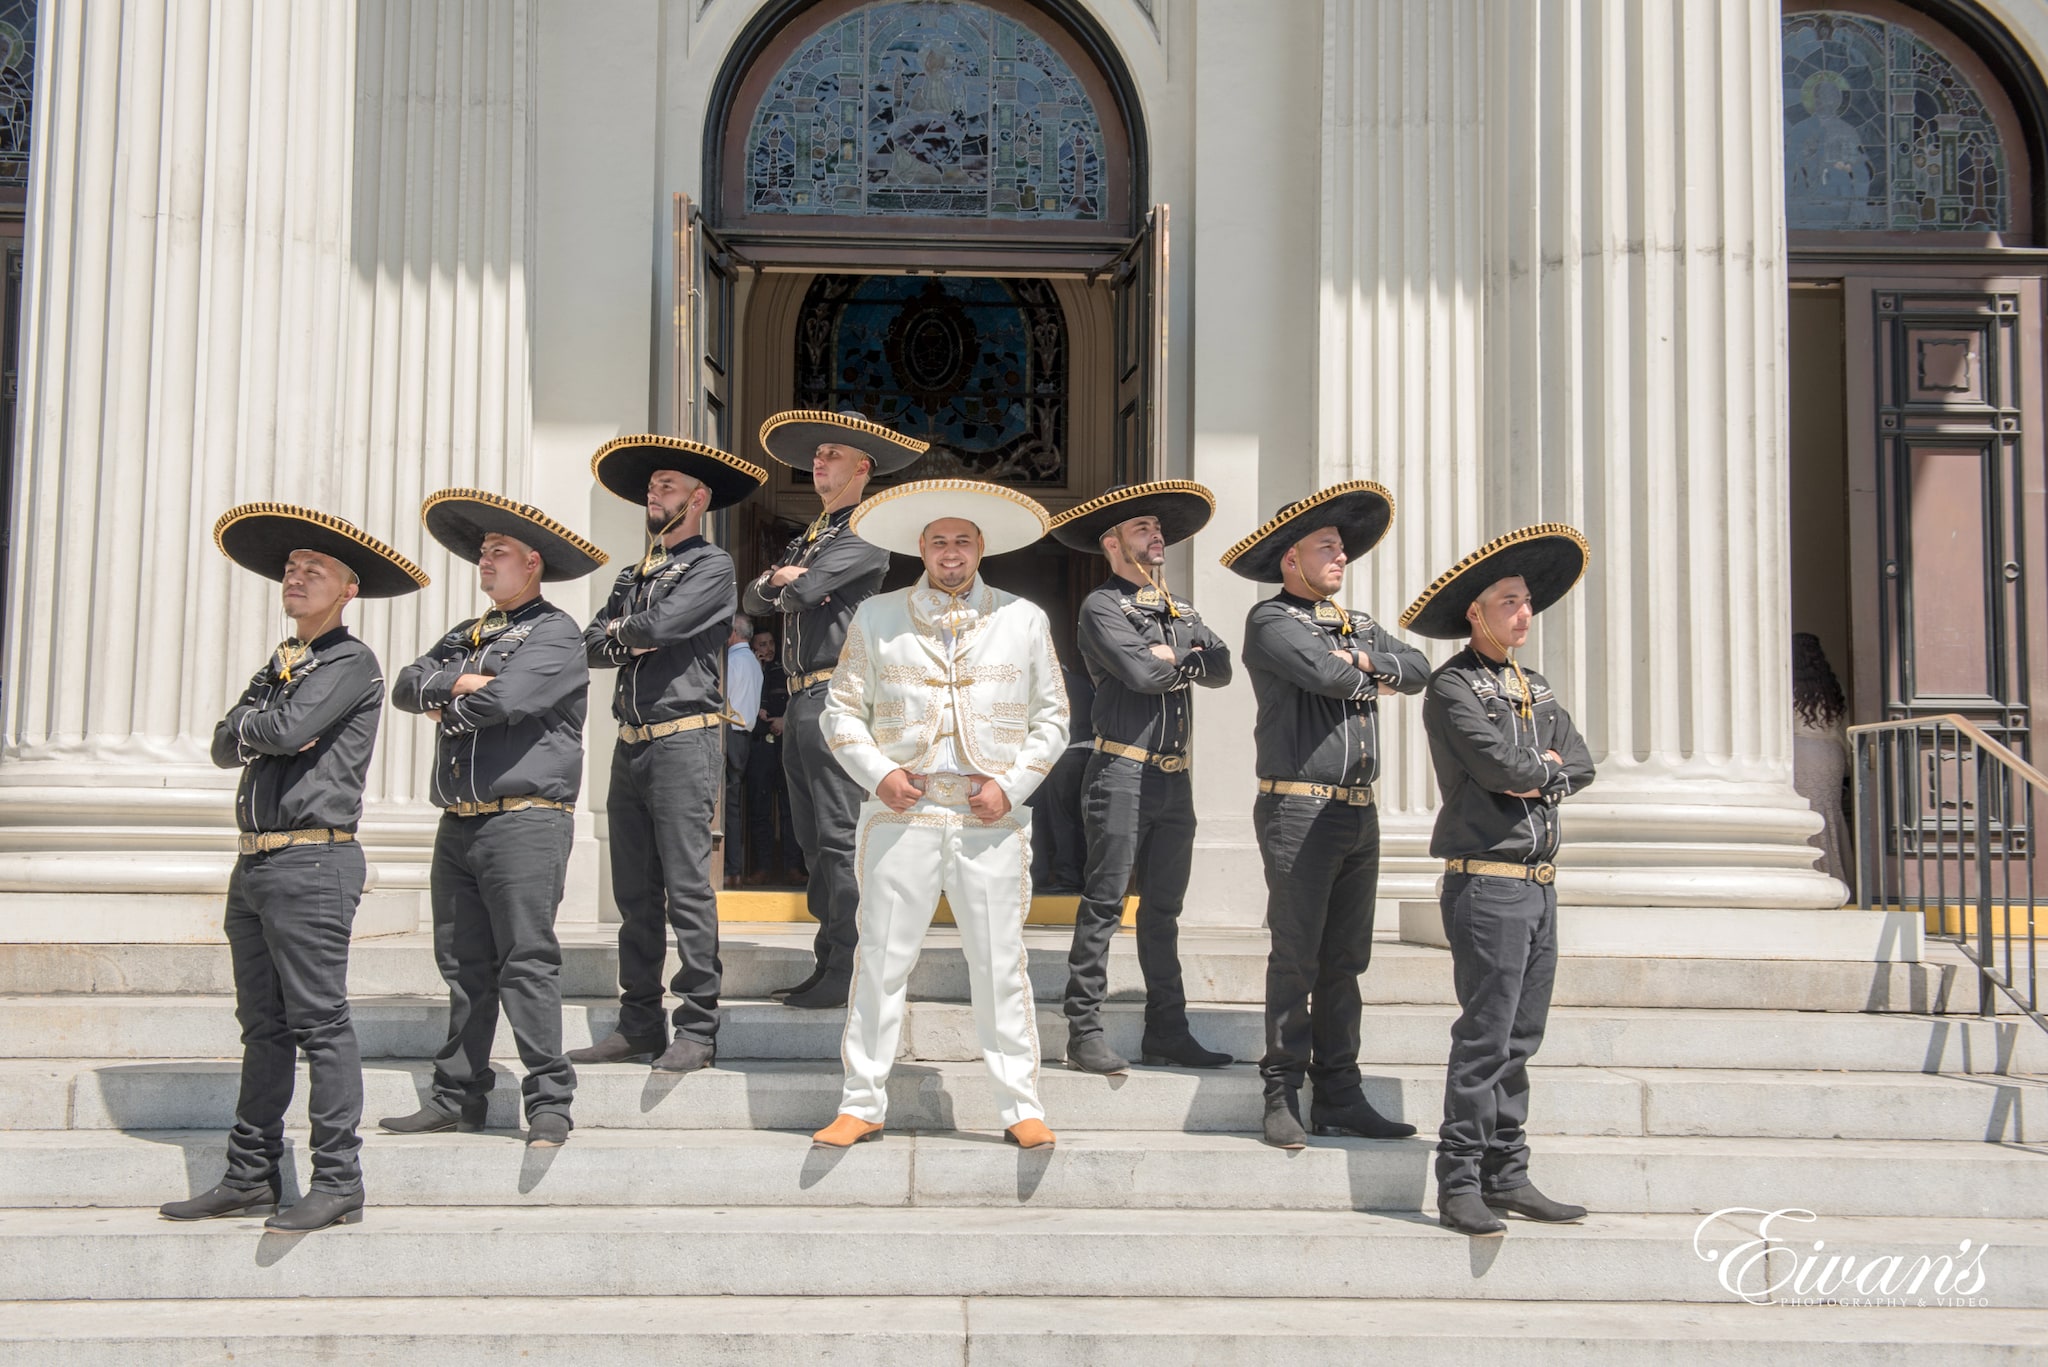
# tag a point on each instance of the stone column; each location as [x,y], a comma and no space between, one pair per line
[275,252]
[1555,286]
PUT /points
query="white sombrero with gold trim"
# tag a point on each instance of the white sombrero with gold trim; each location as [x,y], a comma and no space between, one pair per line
[1359,509]
[460,519]
[793,437]
[261,537]
[1550,557]
[896,518]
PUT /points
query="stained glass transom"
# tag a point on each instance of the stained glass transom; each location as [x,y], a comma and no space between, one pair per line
[1883,133]
[975,365]
[17,87]
[928,109]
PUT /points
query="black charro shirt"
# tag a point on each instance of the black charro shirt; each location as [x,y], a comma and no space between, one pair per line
[304,743]
[840,570]
[681,613]
[1318,718]
[1484,750]
[520,735]
[1140,699]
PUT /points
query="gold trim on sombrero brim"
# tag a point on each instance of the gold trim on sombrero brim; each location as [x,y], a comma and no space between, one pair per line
[1541,531]
[1295,511]
[535,519]
[724,494]
[900,451]
[1136,495]
[404,576]
[1000,540]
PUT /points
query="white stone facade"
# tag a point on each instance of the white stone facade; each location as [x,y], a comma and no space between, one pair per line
[1518,261]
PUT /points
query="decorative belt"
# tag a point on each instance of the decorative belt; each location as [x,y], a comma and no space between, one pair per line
[1493,868]
[639,735]
[263,842]
[948,790]
[1166,764]
[1356,797]
[506,804]
[803,681]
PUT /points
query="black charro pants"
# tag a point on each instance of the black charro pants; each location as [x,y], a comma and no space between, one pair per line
[1503,936]
[1322,874]
[1137,818]
[1059,839]
[660,807]
[288,919]
[496,883]
[824,804]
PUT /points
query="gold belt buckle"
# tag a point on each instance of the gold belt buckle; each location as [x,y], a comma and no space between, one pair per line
[1358,797]
[1173,764]
[1545,873]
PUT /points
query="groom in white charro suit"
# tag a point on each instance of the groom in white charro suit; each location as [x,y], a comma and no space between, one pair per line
[948,708]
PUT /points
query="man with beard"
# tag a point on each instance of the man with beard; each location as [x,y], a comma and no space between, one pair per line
[1505,753]
[824,574]
[664,629]
[302,734]
[507,692]
[947,707]
[1318,671]
[1146,650]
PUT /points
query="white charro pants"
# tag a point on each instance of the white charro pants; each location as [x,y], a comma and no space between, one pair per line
[906,859]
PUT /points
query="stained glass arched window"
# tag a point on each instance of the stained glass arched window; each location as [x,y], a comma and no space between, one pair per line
[976,365]
[940,109]
[1885,132]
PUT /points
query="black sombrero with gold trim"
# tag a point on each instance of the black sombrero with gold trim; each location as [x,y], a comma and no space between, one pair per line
[460,519]
[1359,509]
[1182,506]
[895,519]
[1550,557]
[261,536]
[624,466]
[793,437]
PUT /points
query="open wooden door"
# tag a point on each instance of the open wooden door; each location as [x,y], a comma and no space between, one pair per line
[1137,282]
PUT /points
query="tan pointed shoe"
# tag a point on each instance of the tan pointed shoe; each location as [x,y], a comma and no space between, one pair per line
[1031,1134]
[845,1131]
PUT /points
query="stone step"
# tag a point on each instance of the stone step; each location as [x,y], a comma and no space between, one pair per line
[1219,967]
[942,1251]
[1088,1170]
[1003,1331]
[939,1031]
[175,1094]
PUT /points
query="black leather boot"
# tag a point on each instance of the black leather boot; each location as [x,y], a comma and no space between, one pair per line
[1532,1204]
[616,1048]
[223,1200]
[1467,1214]
[817,972]
[1182,1052]
[686,1056]
[1091,1053]
[827,992]
[548,1130]
[431,1119]
[1354,1115]
[318,1210]
[1283,1121]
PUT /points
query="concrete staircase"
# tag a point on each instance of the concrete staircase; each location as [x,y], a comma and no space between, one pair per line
[689,1219]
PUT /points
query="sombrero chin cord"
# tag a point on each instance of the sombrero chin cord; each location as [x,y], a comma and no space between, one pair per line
[1523,707]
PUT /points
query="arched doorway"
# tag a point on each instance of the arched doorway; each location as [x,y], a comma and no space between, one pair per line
[932,211]
[1913,187]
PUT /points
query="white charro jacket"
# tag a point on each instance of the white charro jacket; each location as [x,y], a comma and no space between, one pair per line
[900,683]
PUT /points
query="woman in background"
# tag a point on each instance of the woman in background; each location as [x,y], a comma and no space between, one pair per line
[1820,749]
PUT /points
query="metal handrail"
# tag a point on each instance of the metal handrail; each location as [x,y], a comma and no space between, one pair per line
[1945,826]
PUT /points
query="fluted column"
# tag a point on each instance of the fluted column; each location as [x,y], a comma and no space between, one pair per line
[1554,290]
[275,251]
[1403,266]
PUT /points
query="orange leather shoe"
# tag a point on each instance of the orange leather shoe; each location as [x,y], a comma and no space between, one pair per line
[1031,1134]
[845,1131]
